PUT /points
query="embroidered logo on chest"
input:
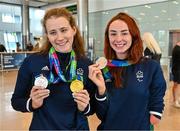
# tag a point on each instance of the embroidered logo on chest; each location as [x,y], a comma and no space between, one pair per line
[139,76]
[80,71]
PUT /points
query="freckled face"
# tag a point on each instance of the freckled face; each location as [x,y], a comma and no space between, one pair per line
[60,34]
[120,38]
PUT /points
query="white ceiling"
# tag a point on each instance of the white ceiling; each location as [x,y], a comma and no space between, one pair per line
[94,5]
[32,3]
[100,5]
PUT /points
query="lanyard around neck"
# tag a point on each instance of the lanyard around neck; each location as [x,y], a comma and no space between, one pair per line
[54,62]
[114,63]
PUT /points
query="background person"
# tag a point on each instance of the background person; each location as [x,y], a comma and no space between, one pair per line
[2,48]
[29,46]
[62,61]
[152,49]
[176,74]
[18,49]
[36,44]
[132,97]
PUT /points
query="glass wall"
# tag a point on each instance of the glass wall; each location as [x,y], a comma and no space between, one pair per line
[10,29]
[35,18]
[11,25]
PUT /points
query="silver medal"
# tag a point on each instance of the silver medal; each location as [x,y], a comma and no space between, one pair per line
[41,81]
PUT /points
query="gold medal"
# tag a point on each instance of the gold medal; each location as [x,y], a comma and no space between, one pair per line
[102,62]
[76,86]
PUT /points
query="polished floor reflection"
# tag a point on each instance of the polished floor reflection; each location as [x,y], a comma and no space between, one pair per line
[13,120]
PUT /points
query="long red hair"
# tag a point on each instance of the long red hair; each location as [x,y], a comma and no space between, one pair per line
[135,51]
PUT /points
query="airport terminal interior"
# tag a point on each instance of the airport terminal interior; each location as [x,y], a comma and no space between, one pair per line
[21,34]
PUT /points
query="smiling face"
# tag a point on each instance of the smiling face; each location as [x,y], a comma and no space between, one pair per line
[120,38]
[60,34]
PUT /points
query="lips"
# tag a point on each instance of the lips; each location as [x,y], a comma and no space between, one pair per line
[61,43]
[119,44]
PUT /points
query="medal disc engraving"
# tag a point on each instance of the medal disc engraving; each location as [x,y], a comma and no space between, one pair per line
[102,62]
[41,81]
[76,86]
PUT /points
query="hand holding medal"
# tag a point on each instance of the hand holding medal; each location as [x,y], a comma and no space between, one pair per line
[41,81]
[102,62]
[95,74]
[39,91]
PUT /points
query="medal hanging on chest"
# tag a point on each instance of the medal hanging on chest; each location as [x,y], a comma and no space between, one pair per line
[75,79]
[77,85]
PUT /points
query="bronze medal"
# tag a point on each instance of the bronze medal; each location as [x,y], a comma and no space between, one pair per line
[76,86]
[102,62]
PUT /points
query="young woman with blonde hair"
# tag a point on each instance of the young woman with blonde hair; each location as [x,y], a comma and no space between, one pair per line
[152,49]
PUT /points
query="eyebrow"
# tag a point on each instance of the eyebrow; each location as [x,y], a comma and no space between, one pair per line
[125,30]
[64,27]
[51,30]
[61,28]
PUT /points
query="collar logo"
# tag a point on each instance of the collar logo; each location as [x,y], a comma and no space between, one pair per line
[45,68]
[139,76]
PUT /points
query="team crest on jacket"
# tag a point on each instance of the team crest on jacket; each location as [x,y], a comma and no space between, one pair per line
[80,71]
[139,76]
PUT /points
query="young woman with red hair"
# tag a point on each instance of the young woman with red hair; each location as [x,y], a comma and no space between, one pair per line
[131,88]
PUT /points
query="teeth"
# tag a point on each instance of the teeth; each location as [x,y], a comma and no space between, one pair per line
[62,43]
[119,45]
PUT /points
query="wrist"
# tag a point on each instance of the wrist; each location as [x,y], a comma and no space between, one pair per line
[102,97]
[29,105]
[34,105]
[101,90]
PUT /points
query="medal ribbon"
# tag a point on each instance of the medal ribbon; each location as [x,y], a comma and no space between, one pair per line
[54,62]
[79,77]
[114,63]
[118,63]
